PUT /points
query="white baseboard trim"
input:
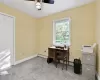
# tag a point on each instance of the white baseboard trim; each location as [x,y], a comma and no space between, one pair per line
[44,56]
[23,60]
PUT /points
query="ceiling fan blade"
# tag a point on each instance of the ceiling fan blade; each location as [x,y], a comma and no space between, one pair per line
[49,1]
[45,1]
[34,0]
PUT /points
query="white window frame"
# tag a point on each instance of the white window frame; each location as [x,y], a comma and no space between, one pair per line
[54,33]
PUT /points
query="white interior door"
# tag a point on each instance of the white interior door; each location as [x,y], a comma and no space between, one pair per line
[7,36]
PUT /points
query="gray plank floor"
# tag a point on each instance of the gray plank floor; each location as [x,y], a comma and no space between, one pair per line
[38,69]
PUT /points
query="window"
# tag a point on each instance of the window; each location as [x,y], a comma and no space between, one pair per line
[61,32]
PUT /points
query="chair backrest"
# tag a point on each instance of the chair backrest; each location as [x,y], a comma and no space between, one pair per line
[60,53]
[68,50]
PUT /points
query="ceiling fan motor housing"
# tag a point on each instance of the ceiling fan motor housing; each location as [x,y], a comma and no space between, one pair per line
[39,9]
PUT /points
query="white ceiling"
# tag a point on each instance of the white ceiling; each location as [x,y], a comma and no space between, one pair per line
[47,9]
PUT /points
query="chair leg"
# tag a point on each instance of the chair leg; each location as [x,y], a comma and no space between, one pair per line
[56,63]
[63,65]
[66,64]
[68,59]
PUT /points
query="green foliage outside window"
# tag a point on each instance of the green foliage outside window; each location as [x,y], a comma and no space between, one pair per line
[62,32]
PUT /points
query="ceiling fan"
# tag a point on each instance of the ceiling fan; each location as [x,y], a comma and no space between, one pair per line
[39,3]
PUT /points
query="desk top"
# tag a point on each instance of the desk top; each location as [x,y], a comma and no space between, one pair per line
[53,47]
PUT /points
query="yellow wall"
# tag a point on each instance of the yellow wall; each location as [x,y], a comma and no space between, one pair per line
[98,32]
[24,32]
[82,28]
[36,35]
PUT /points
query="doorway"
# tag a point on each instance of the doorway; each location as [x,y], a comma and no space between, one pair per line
[7,41]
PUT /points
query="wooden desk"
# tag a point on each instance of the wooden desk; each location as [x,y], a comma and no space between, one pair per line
[52,53]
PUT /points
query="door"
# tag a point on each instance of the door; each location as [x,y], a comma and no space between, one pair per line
[6,40]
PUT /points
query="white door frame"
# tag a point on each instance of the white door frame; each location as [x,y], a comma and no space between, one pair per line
[13,54]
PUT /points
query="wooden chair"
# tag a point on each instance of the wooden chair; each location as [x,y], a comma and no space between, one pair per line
[61,55]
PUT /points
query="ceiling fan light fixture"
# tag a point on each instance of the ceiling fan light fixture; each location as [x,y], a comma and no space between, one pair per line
[38,5]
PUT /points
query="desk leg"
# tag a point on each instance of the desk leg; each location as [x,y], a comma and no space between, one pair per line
[67,62]
[68,59]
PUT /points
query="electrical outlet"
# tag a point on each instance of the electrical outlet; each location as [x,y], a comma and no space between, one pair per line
[22,53]
[45,51]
